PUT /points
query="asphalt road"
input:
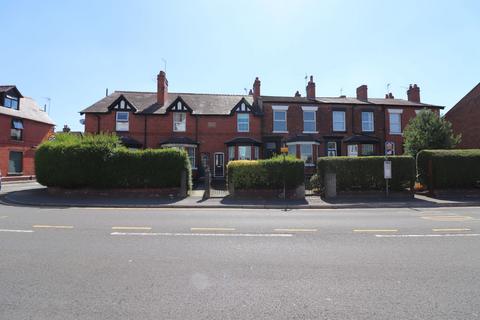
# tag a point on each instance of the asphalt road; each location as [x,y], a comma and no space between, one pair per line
[72,263]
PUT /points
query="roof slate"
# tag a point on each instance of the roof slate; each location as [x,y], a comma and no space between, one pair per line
[30,110]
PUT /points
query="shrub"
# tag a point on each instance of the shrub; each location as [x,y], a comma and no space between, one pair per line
[366,173]
[266,174]
[450,168]
[101,162]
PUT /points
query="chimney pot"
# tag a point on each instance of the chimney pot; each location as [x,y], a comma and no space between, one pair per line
[362,92]
[413,93]
[256,88]
[297,94]
[311,89]
[162,88]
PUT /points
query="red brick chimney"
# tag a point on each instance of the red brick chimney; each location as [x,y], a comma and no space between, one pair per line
[256,88]
[162,88]
[311,89]
[413,93]
[362,92]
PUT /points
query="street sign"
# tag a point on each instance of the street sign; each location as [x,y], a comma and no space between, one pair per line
[389,148]
[284,149]
[387,169]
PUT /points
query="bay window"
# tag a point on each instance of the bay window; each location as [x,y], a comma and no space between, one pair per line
[332,149]
[231,153]
[367,150]
[306,153]
[244,153]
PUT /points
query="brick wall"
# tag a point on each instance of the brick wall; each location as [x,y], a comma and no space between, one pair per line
[33,134]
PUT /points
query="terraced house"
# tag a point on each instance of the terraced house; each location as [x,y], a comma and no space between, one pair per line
[23,126]
[217,128]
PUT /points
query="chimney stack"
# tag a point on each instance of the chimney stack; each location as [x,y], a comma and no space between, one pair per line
[362,92]
[256,88]
[413,93]
[297,94]
[311,89]
[162,88]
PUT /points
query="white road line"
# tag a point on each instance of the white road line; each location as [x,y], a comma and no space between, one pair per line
[3,217]
[169,234]
[212,229]
[51,227]
[12,230]
[427,235]
[131,228]
[295,230]
[375,230]
[450,229]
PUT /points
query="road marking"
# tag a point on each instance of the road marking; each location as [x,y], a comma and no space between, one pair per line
[168,234]
[212,229]
[375,230]
[447,218]
[295,230]
[3,217]
[131,228]
[450,229]
[427,235]
[11,230]
[52,227]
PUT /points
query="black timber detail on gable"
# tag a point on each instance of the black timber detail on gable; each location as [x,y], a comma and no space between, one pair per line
[179,105]
[243,107]
[122,104]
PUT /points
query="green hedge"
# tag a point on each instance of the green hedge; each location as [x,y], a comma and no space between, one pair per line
[266,174]
[101,162]
[451,168]
[366,173]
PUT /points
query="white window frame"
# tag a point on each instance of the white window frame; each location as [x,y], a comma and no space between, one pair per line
[396,113]
[368,122]
[343,129]
[122,124]
[370,145]
[241,121]
[279,109]
[304,156]
[231,153]
[332,149]
[193,163]
[256,150]
[182,124]
[352,150]
[314,121]
[248,152]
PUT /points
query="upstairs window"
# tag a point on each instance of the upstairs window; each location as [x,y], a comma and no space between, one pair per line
[179,122]
[279,121]
[16,131]
[122,121]
[395,123]
[243,122]
[309,124]
[338,121]
[367,122]
[11,102]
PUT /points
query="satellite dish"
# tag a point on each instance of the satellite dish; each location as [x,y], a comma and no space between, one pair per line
[82,121]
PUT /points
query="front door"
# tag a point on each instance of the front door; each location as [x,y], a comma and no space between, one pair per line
[219,165]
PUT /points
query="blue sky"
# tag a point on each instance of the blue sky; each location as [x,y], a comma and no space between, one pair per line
[71,51]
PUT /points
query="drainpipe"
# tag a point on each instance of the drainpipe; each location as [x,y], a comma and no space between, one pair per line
[98,123]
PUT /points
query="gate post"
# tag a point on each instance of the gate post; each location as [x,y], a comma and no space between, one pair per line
[208,179]
[183,184]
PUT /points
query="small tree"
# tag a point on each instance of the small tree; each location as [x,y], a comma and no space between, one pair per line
[428,131]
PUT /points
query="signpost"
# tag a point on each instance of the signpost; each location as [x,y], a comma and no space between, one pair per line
[387,172]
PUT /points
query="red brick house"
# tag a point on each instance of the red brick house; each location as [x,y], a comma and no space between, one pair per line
[216,128]
[465,119]
[23,126]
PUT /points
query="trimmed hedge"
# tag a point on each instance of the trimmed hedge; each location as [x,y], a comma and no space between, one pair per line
[366,173]
[451,168]
[266,174]
[101,162]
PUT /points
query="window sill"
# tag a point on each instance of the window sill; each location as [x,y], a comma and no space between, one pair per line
[310,132]
[179,130]
[14,174]
[279,131]
[364,131]
[243,131]
[396,133]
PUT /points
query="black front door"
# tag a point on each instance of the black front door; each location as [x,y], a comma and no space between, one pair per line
[219,165]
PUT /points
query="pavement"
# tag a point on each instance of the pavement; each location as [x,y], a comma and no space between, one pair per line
[205,263]
[33,194]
